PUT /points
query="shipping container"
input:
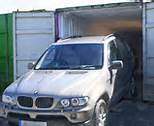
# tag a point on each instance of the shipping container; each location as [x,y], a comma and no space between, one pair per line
[33,32]
[133,22]
[123,19]
[148,51]
[6,50]
[23,38]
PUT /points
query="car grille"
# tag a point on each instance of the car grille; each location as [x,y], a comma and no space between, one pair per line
[25,101]
[40,102]
[44,102]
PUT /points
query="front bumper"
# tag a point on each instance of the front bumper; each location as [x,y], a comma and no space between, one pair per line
[72,116]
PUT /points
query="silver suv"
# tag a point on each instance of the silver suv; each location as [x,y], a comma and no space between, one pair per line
[76,80]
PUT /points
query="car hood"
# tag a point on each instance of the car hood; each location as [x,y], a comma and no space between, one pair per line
[56,82]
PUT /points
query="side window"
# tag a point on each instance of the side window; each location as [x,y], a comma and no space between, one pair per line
[114,53]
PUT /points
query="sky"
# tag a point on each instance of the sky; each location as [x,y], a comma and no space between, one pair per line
[25,5]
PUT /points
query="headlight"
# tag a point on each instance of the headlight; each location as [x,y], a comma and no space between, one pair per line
[74,102]
[65,102]
[83,101]
[8,99]
[79,101]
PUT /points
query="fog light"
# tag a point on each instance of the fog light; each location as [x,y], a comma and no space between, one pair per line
[73,116]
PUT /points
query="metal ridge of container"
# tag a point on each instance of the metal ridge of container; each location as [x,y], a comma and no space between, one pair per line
[28,11]
[99,6]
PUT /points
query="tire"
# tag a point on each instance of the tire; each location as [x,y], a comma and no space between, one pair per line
[100,113]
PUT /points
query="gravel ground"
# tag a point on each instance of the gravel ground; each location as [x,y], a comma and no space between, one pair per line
[132,114]
[3,122]
[127,113]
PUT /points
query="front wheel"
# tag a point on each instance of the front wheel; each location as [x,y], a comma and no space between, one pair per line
[100,113]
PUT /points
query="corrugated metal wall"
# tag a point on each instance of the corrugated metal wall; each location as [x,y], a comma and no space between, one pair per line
[6,50]
[148,52]
[24,36]
[70,25]
[33,33]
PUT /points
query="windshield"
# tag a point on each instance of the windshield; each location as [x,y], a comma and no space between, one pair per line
[72,56]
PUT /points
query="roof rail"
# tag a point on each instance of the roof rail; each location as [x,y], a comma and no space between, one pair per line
[110,35]
[70,37]
[75,36]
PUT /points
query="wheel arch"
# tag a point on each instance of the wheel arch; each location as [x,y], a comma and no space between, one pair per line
[105,97]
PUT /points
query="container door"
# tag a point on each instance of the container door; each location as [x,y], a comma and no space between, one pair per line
[148,52]
[33,33]
[6,51]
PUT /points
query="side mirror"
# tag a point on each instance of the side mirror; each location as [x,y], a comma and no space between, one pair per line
[118,64]
[30,65]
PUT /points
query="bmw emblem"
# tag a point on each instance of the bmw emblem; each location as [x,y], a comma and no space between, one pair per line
[35,92]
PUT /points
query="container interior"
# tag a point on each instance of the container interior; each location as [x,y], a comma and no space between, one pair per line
[100,21]
[126,21]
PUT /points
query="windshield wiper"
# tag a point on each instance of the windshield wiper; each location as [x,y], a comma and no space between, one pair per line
[54,68]
[85,67]
[82,67]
